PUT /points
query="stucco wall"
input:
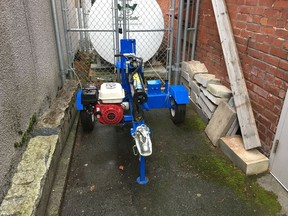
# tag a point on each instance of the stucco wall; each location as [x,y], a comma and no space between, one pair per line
[29,73]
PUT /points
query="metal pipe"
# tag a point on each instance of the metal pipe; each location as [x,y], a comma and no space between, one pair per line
[172,10]
[58,41]
[117,35]
[88,30]
[67,41]
[124,20]
[185,30]
[97,30]
[85,22]
[195,32]
[80,25]
[178,42]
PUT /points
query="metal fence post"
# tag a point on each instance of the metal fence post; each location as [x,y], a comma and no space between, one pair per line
[178,41]
[195,29]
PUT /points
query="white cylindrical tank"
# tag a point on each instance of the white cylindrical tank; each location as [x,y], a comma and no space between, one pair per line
[141,15]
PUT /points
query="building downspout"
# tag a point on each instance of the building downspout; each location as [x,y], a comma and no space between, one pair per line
[58,42]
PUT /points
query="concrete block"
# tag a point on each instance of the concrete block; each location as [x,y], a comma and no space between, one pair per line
[220,122]
[205,79]
[27,184]
[208,103]
[219,90]
[193,96]
[204,108]
[251,162]
[193,67]
[212,98]
[185,75]
[200,112]
[194,86]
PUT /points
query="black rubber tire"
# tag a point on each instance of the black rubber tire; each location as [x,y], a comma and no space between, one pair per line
[87,120]
[177,112]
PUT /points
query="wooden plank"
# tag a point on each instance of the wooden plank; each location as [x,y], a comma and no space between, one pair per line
[235,73]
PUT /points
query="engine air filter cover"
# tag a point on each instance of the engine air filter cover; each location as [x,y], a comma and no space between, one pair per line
[111,92]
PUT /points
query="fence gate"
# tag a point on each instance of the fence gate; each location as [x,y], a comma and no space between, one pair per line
[93,29]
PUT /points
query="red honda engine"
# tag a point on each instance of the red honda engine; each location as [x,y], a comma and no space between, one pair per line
[109,113]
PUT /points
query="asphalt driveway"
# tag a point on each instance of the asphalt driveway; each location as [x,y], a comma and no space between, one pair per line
[187,176]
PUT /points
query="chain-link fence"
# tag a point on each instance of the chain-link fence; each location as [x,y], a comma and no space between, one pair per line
[94,28]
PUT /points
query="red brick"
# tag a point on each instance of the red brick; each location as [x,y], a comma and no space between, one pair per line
[276,110]
[264,121]
[280,4]
[246,34]
[264,21]
[280,73]
[278,82]
[279,53]
[255,54]
[269,77]
[251,2]
[260,64]
[240,25]
[260,91]
[268,30]
[245,10]
[271,60]
[272,12]
[280,23]
[263,47]
[283,64]
[241,17]
[256,80]
[285,45]
[256,19]
[274,99]
[266,3]
[253,27]
[282,33]
[270,116]
[282,93]
[271,88]
[266,103]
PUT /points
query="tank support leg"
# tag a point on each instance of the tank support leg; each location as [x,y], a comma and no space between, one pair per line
[142,178]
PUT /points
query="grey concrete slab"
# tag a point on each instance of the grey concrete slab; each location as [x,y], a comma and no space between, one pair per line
[194,67]
[251,162]
[220,122]
[205,79]
[194,86]
[204,107]
[214,99]
[208,103]
[220,91]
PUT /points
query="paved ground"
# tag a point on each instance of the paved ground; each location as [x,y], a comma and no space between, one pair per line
[97,186]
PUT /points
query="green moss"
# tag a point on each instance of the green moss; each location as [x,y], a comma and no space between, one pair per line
[194,123]
[217,168]
[25,135]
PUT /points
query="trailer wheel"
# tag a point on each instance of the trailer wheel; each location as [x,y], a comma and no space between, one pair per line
[87,120]
[177,112]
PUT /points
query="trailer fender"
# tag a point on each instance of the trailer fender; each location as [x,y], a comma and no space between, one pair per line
[179,93]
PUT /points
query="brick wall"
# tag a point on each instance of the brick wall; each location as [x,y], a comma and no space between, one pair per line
[261,32]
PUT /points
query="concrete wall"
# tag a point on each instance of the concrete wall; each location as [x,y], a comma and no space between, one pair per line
[261,32]
[29,73]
